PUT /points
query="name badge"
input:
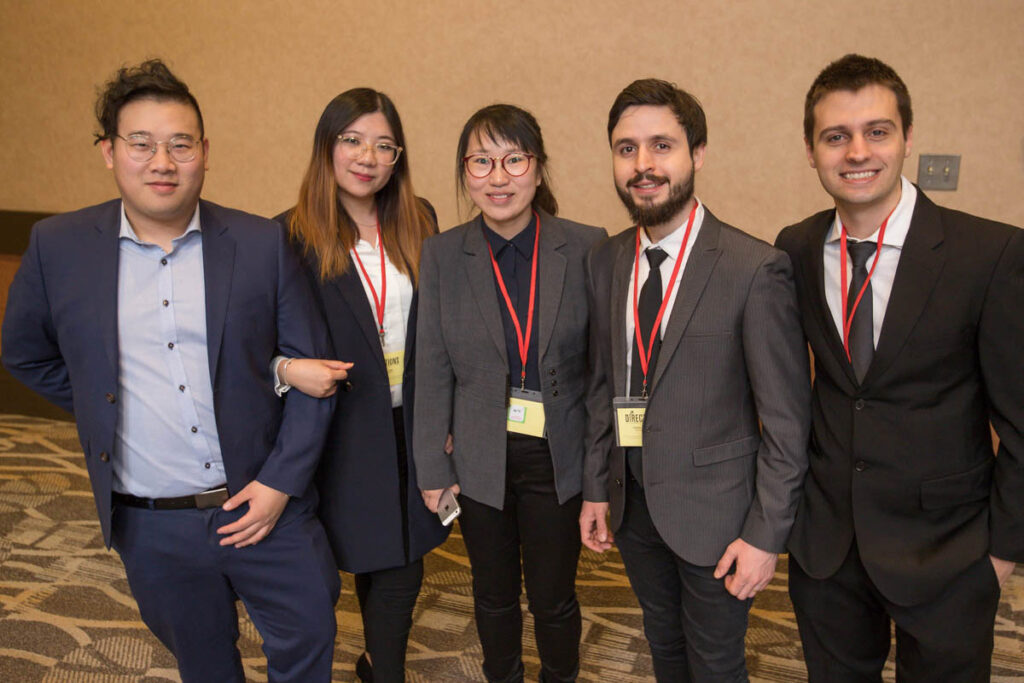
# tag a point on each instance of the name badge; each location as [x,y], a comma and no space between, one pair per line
[395,363]
[526,413]
[629,420]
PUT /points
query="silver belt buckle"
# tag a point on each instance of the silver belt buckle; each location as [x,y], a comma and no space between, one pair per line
[212,498]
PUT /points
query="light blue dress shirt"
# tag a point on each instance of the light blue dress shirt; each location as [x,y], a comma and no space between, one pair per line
[167,443]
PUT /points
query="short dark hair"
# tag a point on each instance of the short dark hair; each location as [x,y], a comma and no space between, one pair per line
[149,80]
[518,126]
[658,93]
[851,73]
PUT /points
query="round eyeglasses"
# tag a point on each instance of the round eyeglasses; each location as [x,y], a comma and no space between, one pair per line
[354,148]
[181,148]
[481,165]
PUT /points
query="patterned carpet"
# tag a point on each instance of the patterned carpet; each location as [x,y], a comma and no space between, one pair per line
[66,613]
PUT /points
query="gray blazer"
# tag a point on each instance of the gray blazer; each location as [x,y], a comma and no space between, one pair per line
[462,363]
[733,354]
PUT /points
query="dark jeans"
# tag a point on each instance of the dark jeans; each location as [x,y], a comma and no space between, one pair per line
[548,537]
[844,624]
[694,626]
[386,600]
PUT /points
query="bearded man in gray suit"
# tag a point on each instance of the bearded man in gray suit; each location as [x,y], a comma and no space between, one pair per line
[699,399]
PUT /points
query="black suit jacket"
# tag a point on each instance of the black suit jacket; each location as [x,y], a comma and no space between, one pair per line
[904,461]
[358,478]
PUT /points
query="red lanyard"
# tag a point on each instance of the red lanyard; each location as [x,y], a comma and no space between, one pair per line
[843,287]
[378,303]
[645,351]
[523,341]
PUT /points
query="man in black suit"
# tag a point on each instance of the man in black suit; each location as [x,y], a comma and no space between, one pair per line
[907,516]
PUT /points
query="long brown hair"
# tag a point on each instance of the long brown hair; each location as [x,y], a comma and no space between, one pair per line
[320,222]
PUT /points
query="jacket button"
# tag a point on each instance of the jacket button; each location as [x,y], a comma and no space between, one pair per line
[110,398]
[859,405]
[860,466]
[618,482]
[555,392]
[551,371]
[554,382]
[346,386]
[104,457]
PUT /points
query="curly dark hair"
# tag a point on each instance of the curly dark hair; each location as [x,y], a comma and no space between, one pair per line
[150,79]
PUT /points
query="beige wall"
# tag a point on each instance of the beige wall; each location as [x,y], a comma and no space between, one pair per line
[264,70]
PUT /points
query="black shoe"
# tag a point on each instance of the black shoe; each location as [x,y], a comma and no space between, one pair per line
[364,670]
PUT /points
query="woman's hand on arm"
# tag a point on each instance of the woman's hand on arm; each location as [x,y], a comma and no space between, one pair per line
[317,377]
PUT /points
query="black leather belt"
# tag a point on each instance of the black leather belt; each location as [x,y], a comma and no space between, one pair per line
[212,498]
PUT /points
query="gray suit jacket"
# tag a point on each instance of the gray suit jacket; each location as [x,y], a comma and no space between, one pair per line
[462,363]
[733,355]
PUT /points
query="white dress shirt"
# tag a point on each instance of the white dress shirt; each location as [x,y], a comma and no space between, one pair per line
[885,272]
[670,245]
[396,305]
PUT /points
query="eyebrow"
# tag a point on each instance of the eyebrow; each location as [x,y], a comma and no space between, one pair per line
[657,137]
[356,132]
[843,128]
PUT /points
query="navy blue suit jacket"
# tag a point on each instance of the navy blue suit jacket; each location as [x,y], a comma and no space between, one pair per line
[358,477]
[60,339]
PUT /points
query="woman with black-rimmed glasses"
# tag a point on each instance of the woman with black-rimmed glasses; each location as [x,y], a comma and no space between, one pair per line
[501,360]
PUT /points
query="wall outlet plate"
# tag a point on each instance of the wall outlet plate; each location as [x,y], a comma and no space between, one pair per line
[938,171]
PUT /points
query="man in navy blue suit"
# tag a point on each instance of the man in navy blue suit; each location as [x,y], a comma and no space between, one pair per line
[153,318]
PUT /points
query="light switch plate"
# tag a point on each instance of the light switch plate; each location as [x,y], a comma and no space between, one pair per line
[938,171]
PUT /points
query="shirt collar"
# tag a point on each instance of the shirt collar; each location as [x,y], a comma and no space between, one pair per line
[523,242]
[671,243]
[899,222]
[128,232]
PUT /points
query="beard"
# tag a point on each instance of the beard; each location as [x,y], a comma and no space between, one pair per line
[646,214]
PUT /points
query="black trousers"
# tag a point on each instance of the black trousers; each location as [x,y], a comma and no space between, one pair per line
[844,624]
[387,598]
[694,626]
[546,535]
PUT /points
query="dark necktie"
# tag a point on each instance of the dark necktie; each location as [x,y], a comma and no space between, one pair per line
[648,304]
[862,336]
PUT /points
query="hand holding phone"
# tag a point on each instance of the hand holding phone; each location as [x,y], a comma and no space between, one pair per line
[448,507]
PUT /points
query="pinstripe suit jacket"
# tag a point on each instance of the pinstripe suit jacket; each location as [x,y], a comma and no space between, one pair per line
[732,357]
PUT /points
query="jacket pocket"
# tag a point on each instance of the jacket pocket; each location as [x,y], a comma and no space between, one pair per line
[957,489]
[726,451]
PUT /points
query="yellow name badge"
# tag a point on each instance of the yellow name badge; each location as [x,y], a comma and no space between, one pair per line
[526,413]
[629,421]
[395,363]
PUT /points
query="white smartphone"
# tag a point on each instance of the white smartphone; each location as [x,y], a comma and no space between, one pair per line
[448,508]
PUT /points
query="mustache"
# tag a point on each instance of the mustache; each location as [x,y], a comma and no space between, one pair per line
[641,177]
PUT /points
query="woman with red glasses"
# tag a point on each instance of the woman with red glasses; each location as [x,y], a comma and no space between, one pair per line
[501,363]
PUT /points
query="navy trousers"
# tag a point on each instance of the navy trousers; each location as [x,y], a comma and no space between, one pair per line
[186,585]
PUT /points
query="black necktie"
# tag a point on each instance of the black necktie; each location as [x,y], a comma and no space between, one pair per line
[862,336]
[648,304]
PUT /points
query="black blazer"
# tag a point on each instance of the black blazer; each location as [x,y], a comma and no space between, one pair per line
[905,459]
[358,477]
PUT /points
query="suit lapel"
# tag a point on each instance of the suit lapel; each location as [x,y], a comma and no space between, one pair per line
[480,273]
[551,269]
[218,272]
[622,271]
[350,287]
[692,281]
[106,262]
[814,264]
[921,261]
